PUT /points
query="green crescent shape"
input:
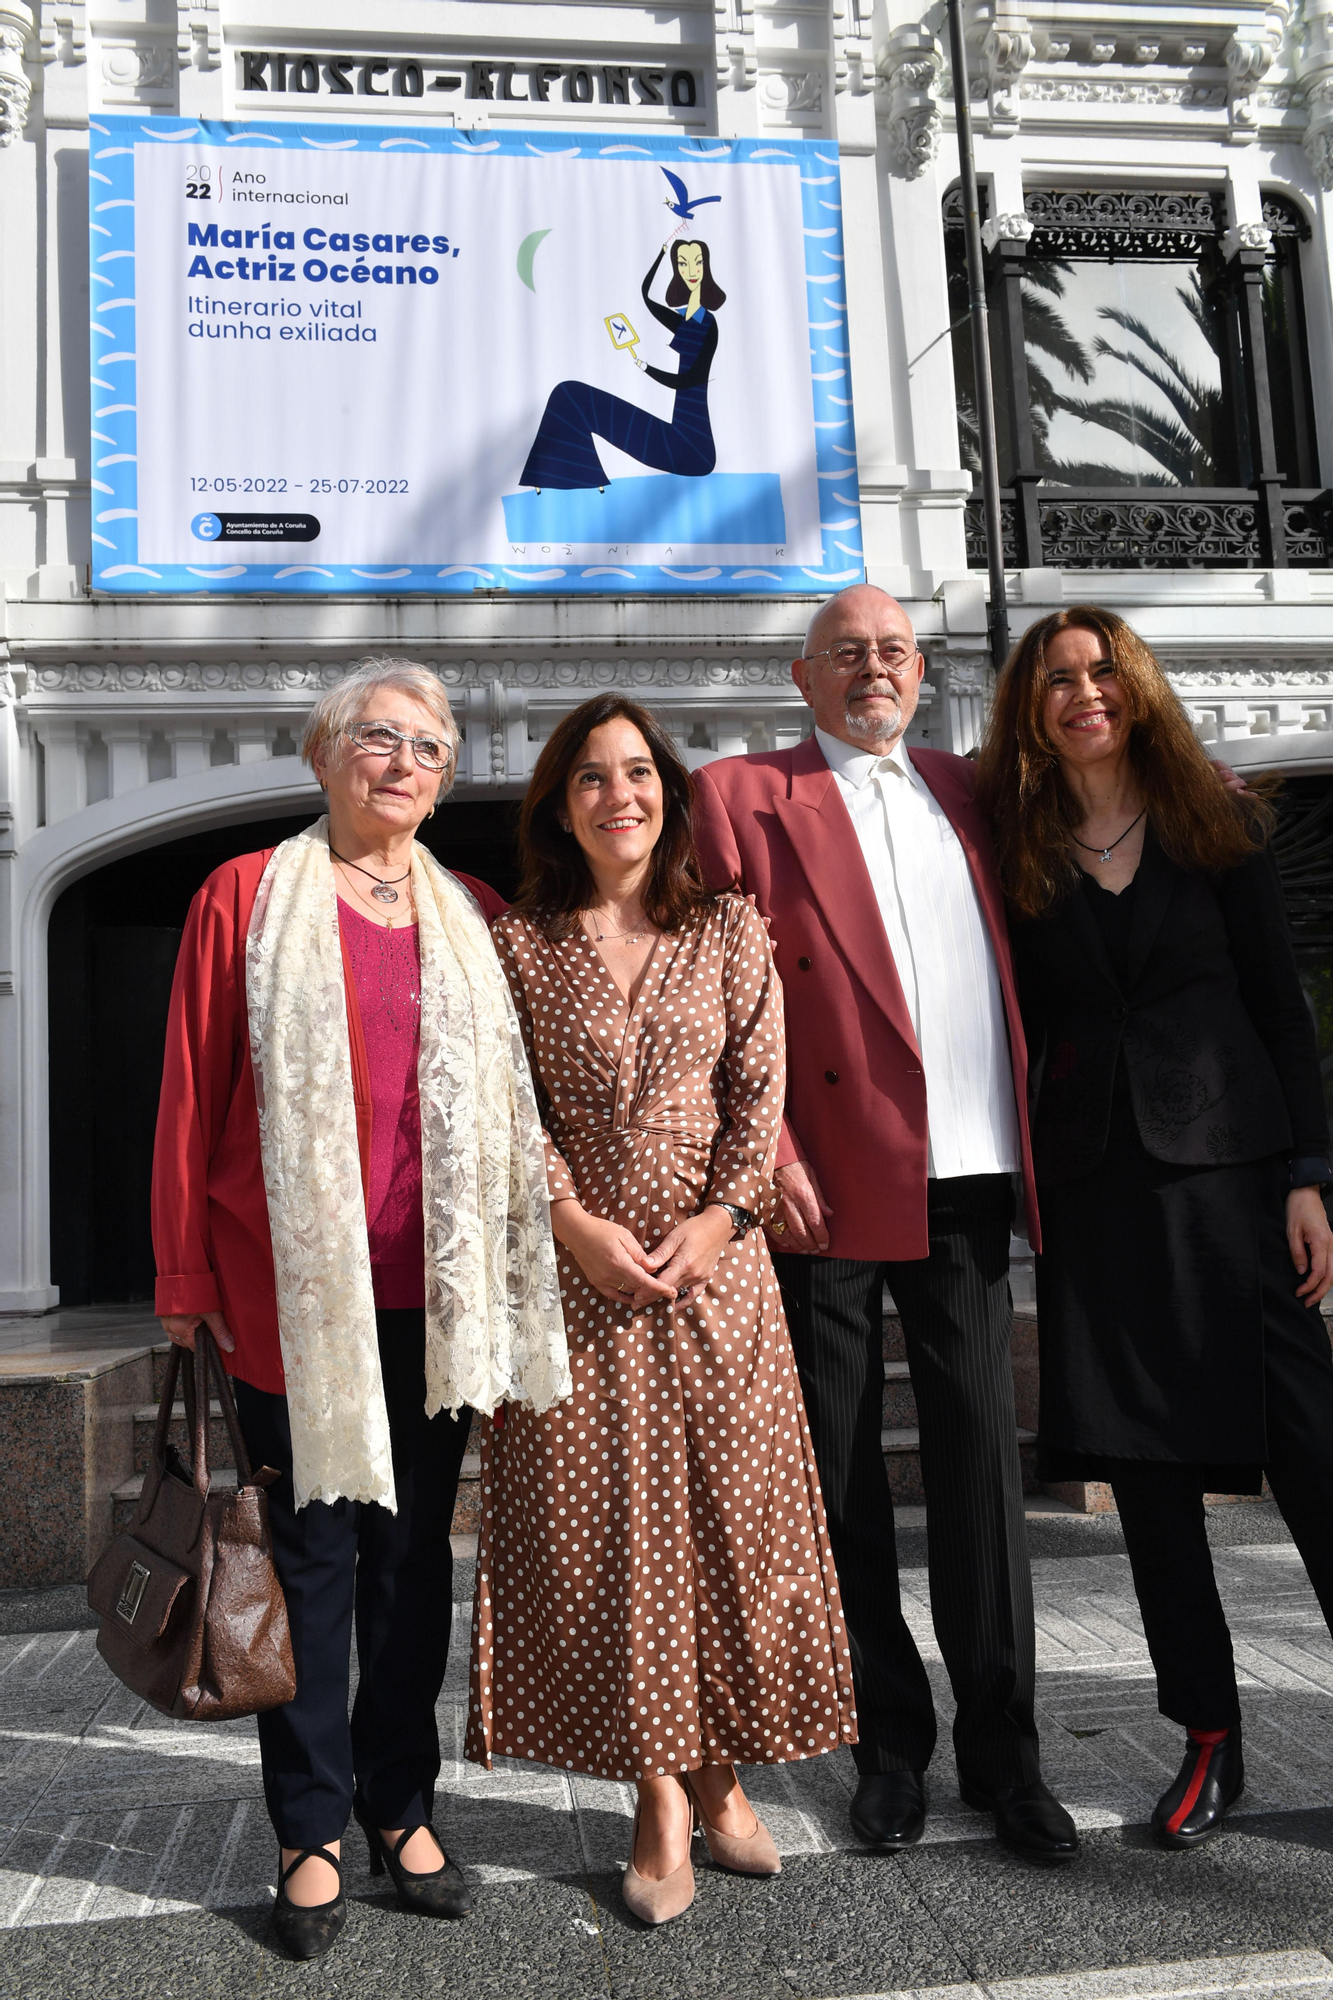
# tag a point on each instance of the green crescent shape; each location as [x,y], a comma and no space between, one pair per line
[527,250]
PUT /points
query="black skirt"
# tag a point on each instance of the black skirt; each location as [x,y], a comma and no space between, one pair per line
[1150,1313]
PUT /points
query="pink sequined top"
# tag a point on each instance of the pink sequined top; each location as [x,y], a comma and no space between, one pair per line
[386,968]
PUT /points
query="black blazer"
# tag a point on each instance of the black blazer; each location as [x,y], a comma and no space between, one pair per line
[1218,1043]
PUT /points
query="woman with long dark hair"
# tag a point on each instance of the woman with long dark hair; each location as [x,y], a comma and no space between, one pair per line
[563,453]
[655,1595]
[1181,1148]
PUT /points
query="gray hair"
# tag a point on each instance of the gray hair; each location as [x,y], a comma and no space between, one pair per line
[335,712]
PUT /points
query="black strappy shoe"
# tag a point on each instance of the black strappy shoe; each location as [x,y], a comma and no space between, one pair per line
[442,1893]
[307,1930]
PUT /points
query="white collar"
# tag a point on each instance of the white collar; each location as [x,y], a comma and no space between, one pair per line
[857,767]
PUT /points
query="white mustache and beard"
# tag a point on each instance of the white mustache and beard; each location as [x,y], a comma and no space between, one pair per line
[874,728]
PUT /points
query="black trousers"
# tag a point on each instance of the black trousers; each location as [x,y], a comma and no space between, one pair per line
[391,1575]
[957,1318]
[1161,1508]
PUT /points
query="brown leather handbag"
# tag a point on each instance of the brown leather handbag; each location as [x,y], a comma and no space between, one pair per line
[192,1614]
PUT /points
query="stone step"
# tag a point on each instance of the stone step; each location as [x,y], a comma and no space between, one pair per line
[467,1509]
[220,1452]
[894,1349]
[901,1445]
[899,1396]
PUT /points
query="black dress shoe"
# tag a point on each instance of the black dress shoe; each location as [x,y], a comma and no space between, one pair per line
[1211,1778]
[1028,1818]
[307,1930]
[441,1893]
[889,1809]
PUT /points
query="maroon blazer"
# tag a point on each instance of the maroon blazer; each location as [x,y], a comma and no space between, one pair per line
[775,824]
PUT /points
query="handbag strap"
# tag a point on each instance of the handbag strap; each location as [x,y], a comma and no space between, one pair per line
[196,1408]
[208,1353]
[165,1404]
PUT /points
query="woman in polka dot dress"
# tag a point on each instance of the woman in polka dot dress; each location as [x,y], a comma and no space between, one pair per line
[656,1599]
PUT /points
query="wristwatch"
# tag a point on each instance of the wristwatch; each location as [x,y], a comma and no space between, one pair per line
[741,1218]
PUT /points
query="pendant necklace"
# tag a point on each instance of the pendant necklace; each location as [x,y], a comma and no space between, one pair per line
[616,937]
[383,891]
[1105,853]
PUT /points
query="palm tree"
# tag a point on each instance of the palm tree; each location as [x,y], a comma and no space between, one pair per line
[1183,439]
[1044,333]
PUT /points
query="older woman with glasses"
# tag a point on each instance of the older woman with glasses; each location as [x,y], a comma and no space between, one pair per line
[348,1189]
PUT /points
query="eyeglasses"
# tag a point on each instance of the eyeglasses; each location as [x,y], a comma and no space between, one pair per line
[850,655]
[381,739]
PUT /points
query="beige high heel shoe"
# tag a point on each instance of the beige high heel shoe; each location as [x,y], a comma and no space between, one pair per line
[659,1902]
[754,1855]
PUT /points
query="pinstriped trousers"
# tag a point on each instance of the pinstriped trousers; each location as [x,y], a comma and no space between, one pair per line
[956,1316]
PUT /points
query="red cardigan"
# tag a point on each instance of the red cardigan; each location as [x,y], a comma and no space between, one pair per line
[210,1214]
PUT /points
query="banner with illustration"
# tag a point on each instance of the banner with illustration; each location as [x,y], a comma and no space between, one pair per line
[338,358]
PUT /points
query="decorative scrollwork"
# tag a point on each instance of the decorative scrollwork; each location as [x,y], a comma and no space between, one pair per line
[1122,222]
[1160,531]
[1283,218]
[1309,531]
[974,518]
[1156,534]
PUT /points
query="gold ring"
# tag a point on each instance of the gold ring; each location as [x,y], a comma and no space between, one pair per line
[622,1288]
[777,1228]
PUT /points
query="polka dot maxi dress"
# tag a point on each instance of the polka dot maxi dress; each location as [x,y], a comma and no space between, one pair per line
[655,1589]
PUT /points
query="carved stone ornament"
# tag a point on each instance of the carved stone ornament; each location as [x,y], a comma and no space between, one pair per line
[313,676]
[853,55]
[198,34]
[64,33]
[909,68]
[1246,236]
[1249,56]
[15,86]
[1005,229]
[733,33]
[1006,53]
[792,93]
[1314,67]
[129,71]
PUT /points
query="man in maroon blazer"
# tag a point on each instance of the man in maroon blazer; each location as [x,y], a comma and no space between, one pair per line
[906,1131]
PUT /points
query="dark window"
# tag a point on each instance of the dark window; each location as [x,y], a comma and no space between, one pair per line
[1118,350]
[1288,356]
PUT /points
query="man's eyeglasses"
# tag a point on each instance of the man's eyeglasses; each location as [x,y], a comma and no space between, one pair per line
[850,655]
[381,739]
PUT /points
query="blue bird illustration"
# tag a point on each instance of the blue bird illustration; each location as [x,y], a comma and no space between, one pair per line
[682,205]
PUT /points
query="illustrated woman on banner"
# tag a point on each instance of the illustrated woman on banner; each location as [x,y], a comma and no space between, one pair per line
[563,453]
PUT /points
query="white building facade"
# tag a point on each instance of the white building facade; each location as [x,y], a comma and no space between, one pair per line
[1139,161]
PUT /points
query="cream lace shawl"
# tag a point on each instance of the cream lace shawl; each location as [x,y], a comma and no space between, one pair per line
[494,1326]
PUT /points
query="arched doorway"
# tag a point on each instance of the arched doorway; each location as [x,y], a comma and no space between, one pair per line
[111,948]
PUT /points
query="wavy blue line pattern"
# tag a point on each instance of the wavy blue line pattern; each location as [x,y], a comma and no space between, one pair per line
[116,565]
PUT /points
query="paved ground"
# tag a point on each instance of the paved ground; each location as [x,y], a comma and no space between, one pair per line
[136,1859]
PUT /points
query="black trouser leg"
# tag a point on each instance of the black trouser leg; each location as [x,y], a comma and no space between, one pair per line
[305,1747]
[396,1569]
[957,1321]
[1298,1390]
[1161,1514]
[404,1592]
[834,1310]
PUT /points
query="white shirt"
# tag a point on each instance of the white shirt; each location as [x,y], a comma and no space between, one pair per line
[942,949]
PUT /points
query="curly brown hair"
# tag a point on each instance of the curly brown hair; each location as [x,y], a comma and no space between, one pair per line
[1031,809]
[556,883]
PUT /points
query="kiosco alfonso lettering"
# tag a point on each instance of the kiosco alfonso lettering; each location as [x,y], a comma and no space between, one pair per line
[208,236]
